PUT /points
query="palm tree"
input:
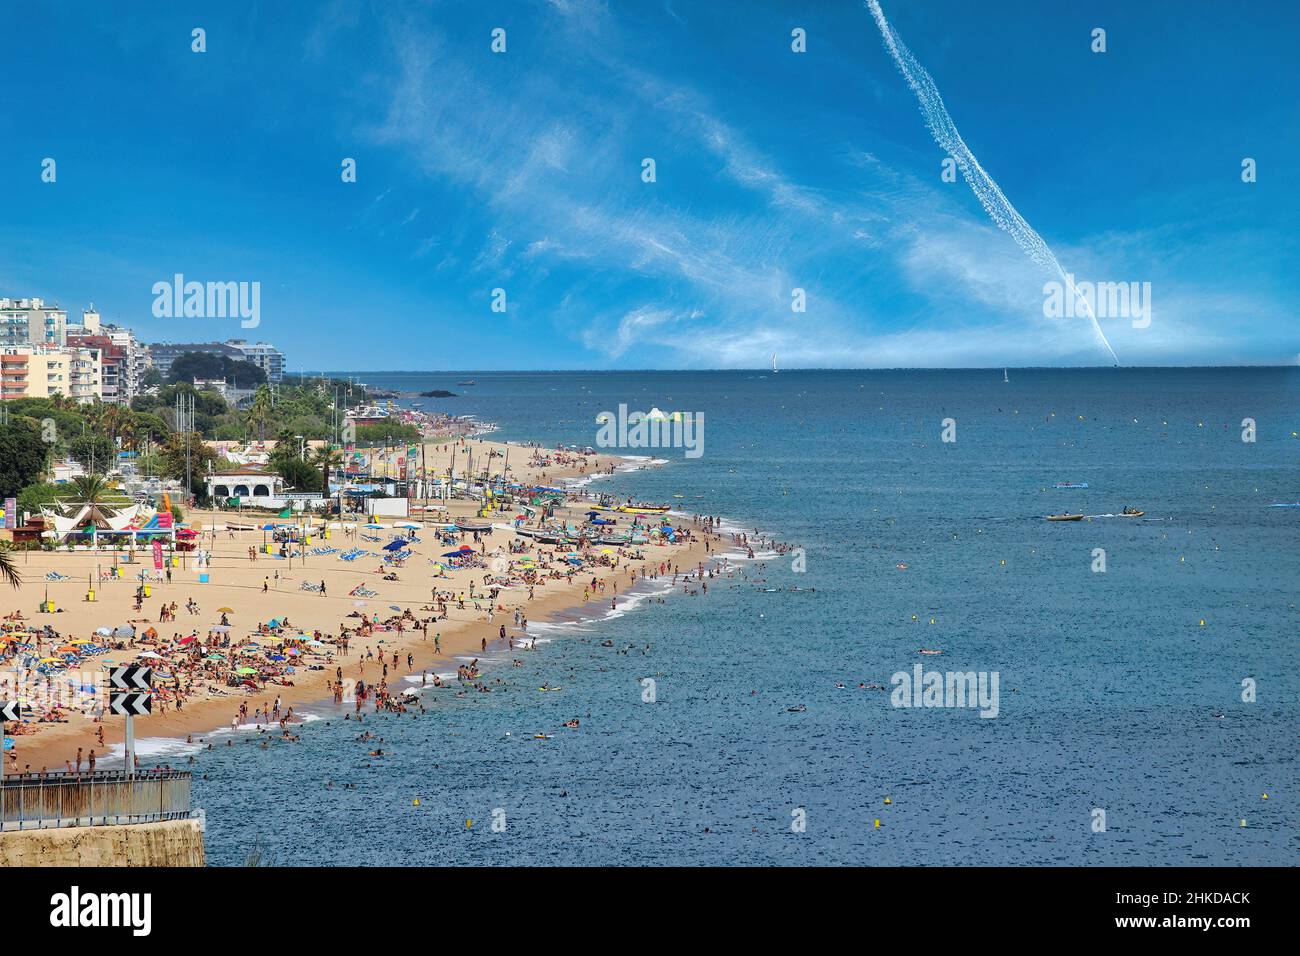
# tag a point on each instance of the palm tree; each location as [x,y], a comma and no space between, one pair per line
[90,489]
[327,459]
[9,570]
[259,412]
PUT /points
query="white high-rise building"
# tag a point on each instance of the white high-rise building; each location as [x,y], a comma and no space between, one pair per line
[32,322]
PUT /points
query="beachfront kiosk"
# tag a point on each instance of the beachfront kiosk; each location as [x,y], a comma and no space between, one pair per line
[252,486]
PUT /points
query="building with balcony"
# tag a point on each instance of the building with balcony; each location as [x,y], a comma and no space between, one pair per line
[38,372]
[32,322]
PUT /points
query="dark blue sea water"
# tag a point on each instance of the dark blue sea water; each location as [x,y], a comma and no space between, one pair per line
[1113,695]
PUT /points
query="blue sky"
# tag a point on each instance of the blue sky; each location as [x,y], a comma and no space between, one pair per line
[775,170]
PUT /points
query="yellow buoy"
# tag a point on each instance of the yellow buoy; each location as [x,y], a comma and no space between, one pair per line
[888,801]
[415,802]
[1002,563]
[468,824]
[1243,823]
[914,617]
[1202,622]
[878,824]
[931,620]
[1264,797]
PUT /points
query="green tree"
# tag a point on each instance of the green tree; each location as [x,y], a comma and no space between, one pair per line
[298,474]
[92,450]
[22,456]
[208,365]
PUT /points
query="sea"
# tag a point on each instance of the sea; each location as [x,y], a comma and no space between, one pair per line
[1147,689]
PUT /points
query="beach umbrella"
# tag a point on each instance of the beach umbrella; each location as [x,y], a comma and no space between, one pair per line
[372,526]
[394,607]
[407,524]
[105,631]
[225,610]
[275,657]
[452,554]
[395,546]
[123,631]
[150,654]
[245,670]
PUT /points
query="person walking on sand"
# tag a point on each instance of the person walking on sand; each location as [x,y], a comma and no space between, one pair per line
[322,589]
[437,642]
[266,584]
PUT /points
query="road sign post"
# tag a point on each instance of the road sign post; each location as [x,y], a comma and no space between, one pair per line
[9,710]
[131,687]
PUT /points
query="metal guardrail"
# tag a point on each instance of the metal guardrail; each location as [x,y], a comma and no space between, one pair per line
[103,798]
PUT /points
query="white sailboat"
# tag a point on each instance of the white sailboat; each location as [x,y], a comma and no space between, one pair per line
[1004,376]
[773,363]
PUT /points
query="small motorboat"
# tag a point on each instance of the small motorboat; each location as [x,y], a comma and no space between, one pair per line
[1131,513]
[1070,484]
[1064,517]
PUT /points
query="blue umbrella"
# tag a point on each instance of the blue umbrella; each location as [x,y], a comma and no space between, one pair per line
[395,546]
[456,554]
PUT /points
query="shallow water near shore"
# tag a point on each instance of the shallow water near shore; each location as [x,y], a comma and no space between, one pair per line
[1113,695]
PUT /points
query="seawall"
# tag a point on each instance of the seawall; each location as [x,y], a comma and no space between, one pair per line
[166,843]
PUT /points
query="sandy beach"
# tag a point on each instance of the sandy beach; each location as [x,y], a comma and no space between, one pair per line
[265,587]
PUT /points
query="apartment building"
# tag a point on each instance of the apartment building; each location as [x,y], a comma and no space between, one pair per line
[35,371]
[262,354]
[32,322]
[113,370]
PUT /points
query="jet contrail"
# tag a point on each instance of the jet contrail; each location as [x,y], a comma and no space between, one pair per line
[945,133]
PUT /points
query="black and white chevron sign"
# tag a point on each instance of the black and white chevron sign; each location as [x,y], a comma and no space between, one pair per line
[130,705]
[9,710]
[130,677]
